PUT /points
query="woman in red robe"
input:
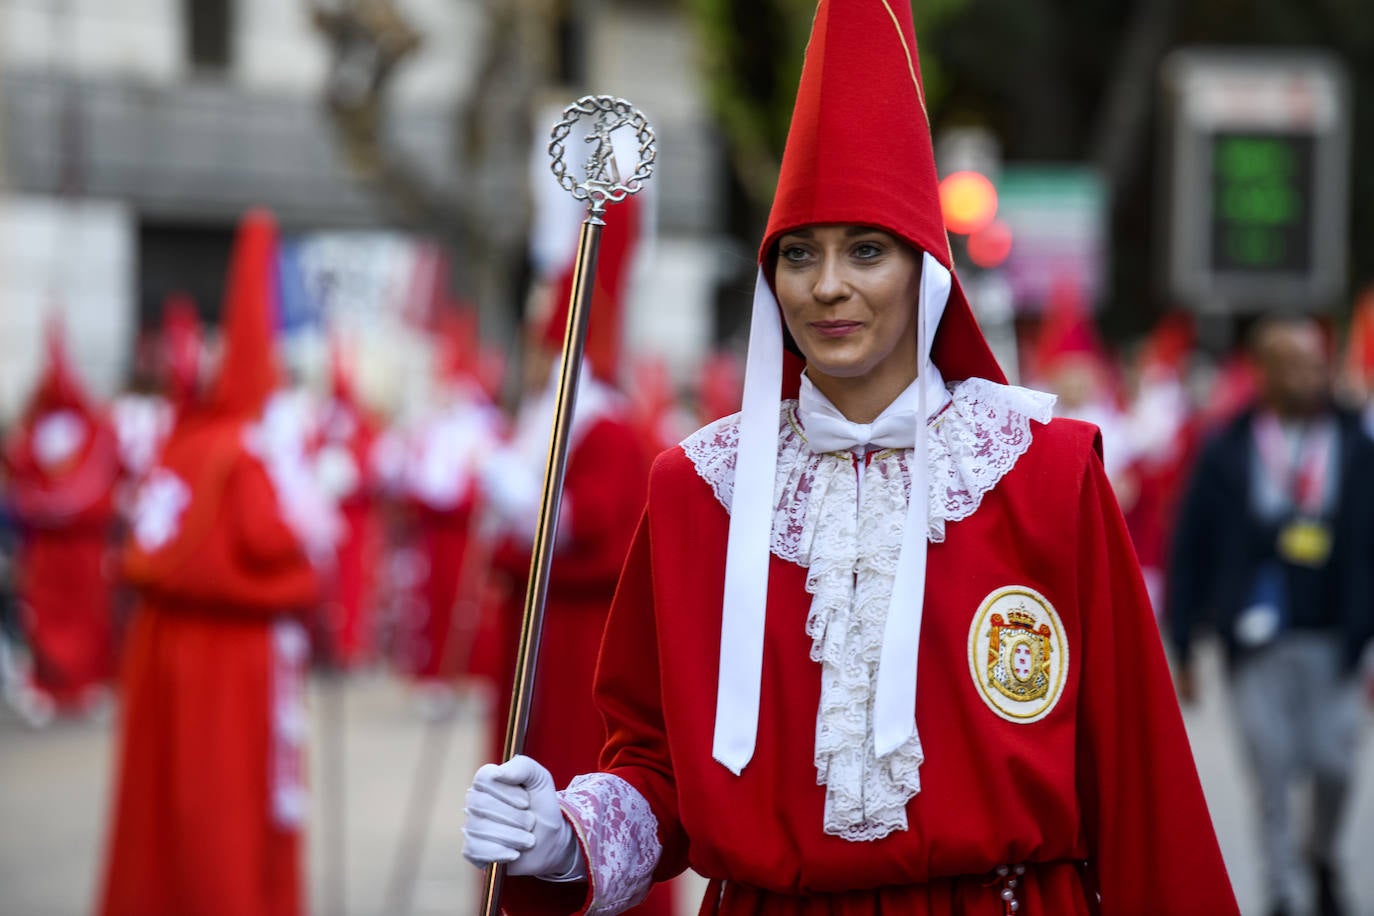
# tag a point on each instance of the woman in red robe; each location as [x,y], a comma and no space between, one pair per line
[440,472]
[61,466]
[938,686]
[209,800]
[343,463]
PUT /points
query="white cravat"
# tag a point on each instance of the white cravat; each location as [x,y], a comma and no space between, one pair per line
[828,430]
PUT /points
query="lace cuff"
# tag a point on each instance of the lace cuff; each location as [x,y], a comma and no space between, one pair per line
[619,837]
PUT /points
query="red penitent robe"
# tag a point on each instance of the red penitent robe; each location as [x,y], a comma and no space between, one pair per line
[1099,796]
[343,464]
[445,539]
[440,482]
[357,558]
[65,515]
[209,794]
[604,489]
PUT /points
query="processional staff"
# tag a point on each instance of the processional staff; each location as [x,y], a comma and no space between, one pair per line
[601,185]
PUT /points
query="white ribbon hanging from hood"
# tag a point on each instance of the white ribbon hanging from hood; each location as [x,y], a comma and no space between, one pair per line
[751,519]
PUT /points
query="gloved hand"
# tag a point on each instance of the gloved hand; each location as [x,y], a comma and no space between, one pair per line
[513,817]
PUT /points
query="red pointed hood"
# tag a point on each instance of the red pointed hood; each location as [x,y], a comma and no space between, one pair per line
[182,343]
[1069,357]
[1066,331]
[249,371]
[340,372]
[77,487]
[606,323]
[58,388]
[859,151]
[457,342]
[653,402]
[720,387]
[460,355]
[1166,351]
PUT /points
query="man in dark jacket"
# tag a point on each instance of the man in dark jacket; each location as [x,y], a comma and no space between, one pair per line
[1275,549]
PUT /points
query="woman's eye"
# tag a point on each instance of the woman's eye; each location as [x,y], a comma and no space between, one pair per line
[794,254]
[867,250]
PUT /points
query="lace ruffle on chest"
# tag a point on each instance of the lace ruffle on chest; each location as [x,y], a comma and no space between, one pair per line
[819,502]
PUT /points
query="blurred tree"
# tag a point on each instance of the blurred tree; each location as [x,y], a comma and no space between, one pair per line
[367,41]
[483,222]
[751,61]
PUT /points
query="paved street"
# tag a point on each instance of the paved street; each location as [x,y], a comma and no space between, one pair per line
[53,788]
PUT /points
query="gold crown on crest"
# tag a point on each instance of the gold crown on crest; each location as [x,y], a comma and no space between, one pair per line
[1021,618]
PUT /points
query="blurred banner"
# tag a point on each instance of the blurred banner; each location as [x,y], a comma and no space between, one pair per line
[361,280]
[1057,215]
[377,292]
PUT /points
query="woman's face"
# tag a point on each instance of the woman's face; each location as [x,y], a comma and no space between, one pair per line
[848,294]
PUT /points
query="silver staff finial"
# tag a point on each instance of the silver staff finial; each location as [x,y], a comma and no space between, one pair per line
[602,182]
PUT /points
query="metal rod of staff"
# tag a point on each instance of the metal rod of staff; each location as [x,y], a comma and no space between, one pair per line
[602,186]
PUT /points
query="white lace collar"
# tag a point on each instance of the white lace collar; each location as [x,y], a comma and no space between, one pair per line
[973,443]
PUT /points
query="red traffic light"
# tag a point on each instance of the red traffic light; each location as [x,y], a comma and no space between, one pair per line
[969,201]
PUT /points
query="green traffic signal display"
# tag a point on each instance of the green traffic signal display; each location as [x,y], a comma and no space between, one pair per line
[1261,202]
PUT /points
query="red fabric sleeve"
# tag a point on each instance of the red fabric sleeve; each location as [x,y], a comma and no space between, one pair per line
[629,695]
[1153,848]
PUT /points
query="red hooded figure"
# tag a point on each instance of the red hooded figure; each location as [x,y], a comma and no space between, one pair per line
[654,405]
[209,798]
[719,387]
[343,463]
[1071,361]
[181,351]
[61,465]
[443,455]
[1164,435]
[894,662]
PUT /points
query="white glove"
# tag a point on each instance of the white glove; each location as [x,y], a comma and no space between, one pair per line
[513,817]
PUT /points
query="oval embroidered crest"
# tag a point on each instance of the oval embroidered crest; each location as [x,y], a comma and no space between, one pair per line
[1018,654]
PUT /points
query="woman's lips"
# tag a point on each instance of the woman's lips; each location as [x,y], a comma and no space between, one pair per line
[836,328]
